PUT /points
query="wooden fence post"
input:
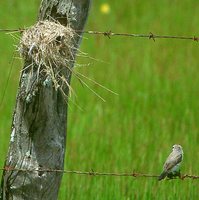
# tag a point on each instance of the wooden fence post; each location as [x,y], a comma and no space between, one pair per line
[38,132]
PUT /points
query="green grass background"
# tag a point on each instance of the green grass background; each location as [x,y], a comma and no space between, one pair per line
[157,105]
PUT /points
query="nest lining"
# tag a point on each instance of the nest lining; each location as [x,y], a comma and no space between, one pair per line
[46,40]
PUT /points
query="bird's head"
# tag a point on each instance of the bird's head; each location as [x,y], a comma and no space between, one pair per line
[177,147]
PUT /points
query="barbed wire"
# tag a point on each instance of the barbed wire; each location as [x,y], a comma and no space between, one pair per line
[110,34]
[94,173]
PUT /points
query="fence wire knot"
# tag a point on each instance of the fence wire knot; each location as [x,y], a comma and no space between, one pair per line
[152,36]
[92,173]
[195,38]
[108,34]
[134,174]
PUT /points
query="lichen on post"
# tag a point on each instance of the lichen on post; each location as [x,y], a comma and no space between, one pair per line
[38,132]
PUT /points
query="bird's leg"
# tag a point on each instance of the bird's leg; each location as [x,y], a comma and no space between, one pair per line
[174,174]
[170,175]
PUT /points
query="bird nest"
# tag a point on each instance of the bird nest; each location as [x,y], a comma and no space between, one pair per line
[49,46]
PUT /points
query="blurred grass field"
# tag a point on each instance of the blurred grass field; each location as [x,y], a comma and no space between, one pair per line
[157,105]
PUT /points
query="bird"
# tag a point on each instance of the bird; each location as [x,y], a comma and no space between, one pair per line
[172,164]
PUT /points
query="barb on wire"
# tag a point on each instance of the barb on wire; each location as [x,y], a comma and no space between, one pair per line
[93,173]
[109,34]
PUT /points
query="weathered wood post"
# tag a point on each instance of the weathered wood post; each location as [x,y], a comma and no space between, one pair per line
[38,133]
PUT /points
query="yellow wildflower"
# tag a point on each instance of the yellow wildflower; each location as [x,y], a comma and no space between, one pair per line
[105,8]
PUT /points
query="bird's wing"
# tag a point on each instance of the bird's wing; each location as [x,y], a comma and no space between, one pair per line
[172,160]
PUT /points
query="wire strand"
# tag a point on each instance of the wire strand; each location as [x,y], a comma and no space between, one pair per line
[110,34]
[94,173]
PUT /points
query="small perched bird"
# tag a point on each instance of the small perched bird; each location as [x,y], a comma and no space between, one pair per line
[172,165]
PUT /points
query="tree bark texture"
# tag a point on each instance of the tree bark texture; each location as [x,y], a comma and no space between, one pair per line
[38,132]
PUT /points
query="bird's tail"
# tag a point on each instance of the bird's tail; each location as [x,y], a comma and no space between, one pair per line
[162,176]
